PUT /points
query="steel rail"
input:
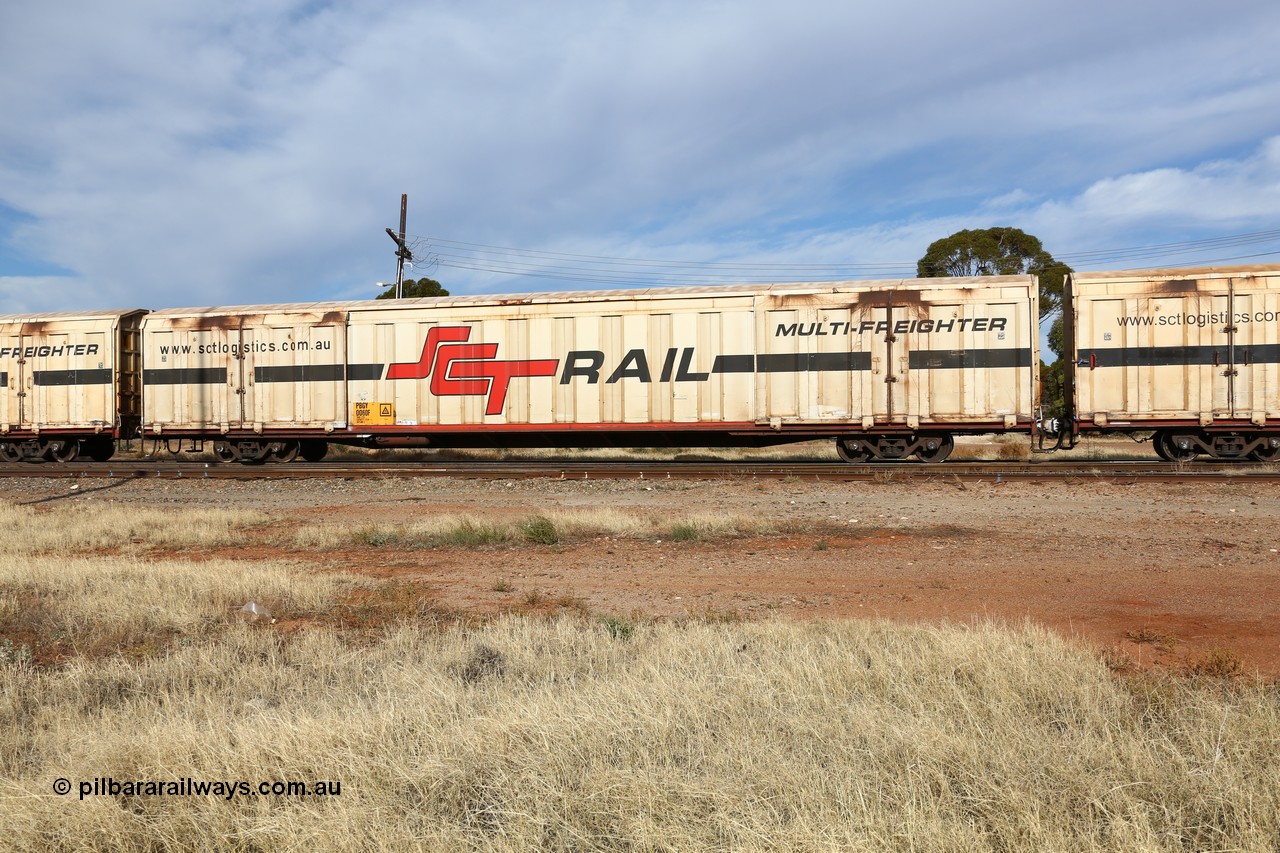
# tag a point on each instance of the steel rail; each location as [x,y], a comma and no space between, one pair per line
[162,468]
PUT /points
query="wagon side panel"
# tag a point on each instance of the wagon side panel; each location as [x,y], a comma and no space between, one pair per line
[970,356]
[293,373]
[61,374]
[190,375]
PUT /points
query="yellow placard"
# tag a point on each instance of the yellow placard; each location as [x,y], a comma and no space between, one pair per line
[373,414]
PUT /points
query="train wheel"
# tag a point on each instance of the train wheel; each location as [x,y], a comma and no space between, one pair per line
[1269,453]
[1157,443]
[941,449]
[313,450]
[1172,448]
[63,451]
[283,451]
[99,449]
[9,452]
[852,450]
[225,451]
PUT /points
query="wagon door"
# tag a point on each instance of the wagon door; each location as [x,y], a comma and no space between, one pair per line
[969,356]
[1256,316]
[294,372]
[189,375]
[1249,379]
[71,375]
[812,365]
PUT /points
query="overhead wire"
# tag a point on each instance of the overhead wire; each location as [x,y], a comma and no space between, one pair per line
[604,269]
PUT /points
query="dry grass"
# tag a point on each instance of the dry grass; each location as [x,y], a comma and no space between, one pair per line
[89,527]
[94,606]
[568,525]
[586,732]
[986,448]
[1146,634]
[573,734]
[1103,448]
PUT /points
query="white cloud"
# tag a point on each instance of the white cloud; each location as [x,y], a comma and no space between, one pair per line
[1222,196]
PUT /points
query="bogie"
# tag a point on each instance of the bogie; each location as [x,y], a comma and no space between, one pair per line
[933,447]
[1184,445]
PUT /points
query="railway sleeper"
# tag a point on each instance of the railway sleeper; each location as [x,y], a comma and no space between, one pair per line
[928,447]
[1176,445]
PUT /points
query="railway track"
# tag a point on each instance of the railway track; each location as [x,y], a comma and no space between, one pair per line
[1052,470]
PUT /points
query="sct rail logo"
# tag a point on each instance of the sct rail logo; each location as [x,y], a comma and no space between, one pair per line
[460,369]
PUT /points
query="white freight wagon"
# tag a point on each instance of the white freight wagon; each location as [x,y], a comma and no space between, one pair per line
[69,383]
[889,368]
[1192,355]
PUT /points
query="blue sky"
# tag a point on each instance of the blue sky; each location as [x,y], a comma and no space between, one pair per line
[158,154]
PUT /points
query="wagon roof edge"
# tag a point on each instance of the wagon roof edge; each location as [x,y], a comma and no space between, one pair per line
[48,316]
[626,294]
[1165,273]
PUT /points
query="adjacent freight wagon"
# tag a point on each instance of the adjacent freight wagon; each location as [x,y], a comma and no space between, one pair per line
[69,383]
[890,369]
[1189,355]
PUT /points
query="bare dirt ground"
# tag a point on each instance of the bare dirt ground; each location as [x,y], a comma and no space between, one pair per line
[1151,574]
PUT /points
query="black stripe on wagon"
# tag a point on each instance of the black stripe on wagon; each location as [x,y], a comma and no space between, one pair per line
[185,376]
[365,372]
[301,373]
[799,362]
[4,378]
[734,364]
[48,378]
[944,359]
[319,373]
[1183,356]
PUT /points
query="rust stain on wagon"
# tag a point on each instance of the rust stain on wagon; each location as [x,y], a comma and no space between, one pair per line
[887,298]
[1177,285]
[790,300]
[226,322]
[911,300]
[205,323]
[233,322]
